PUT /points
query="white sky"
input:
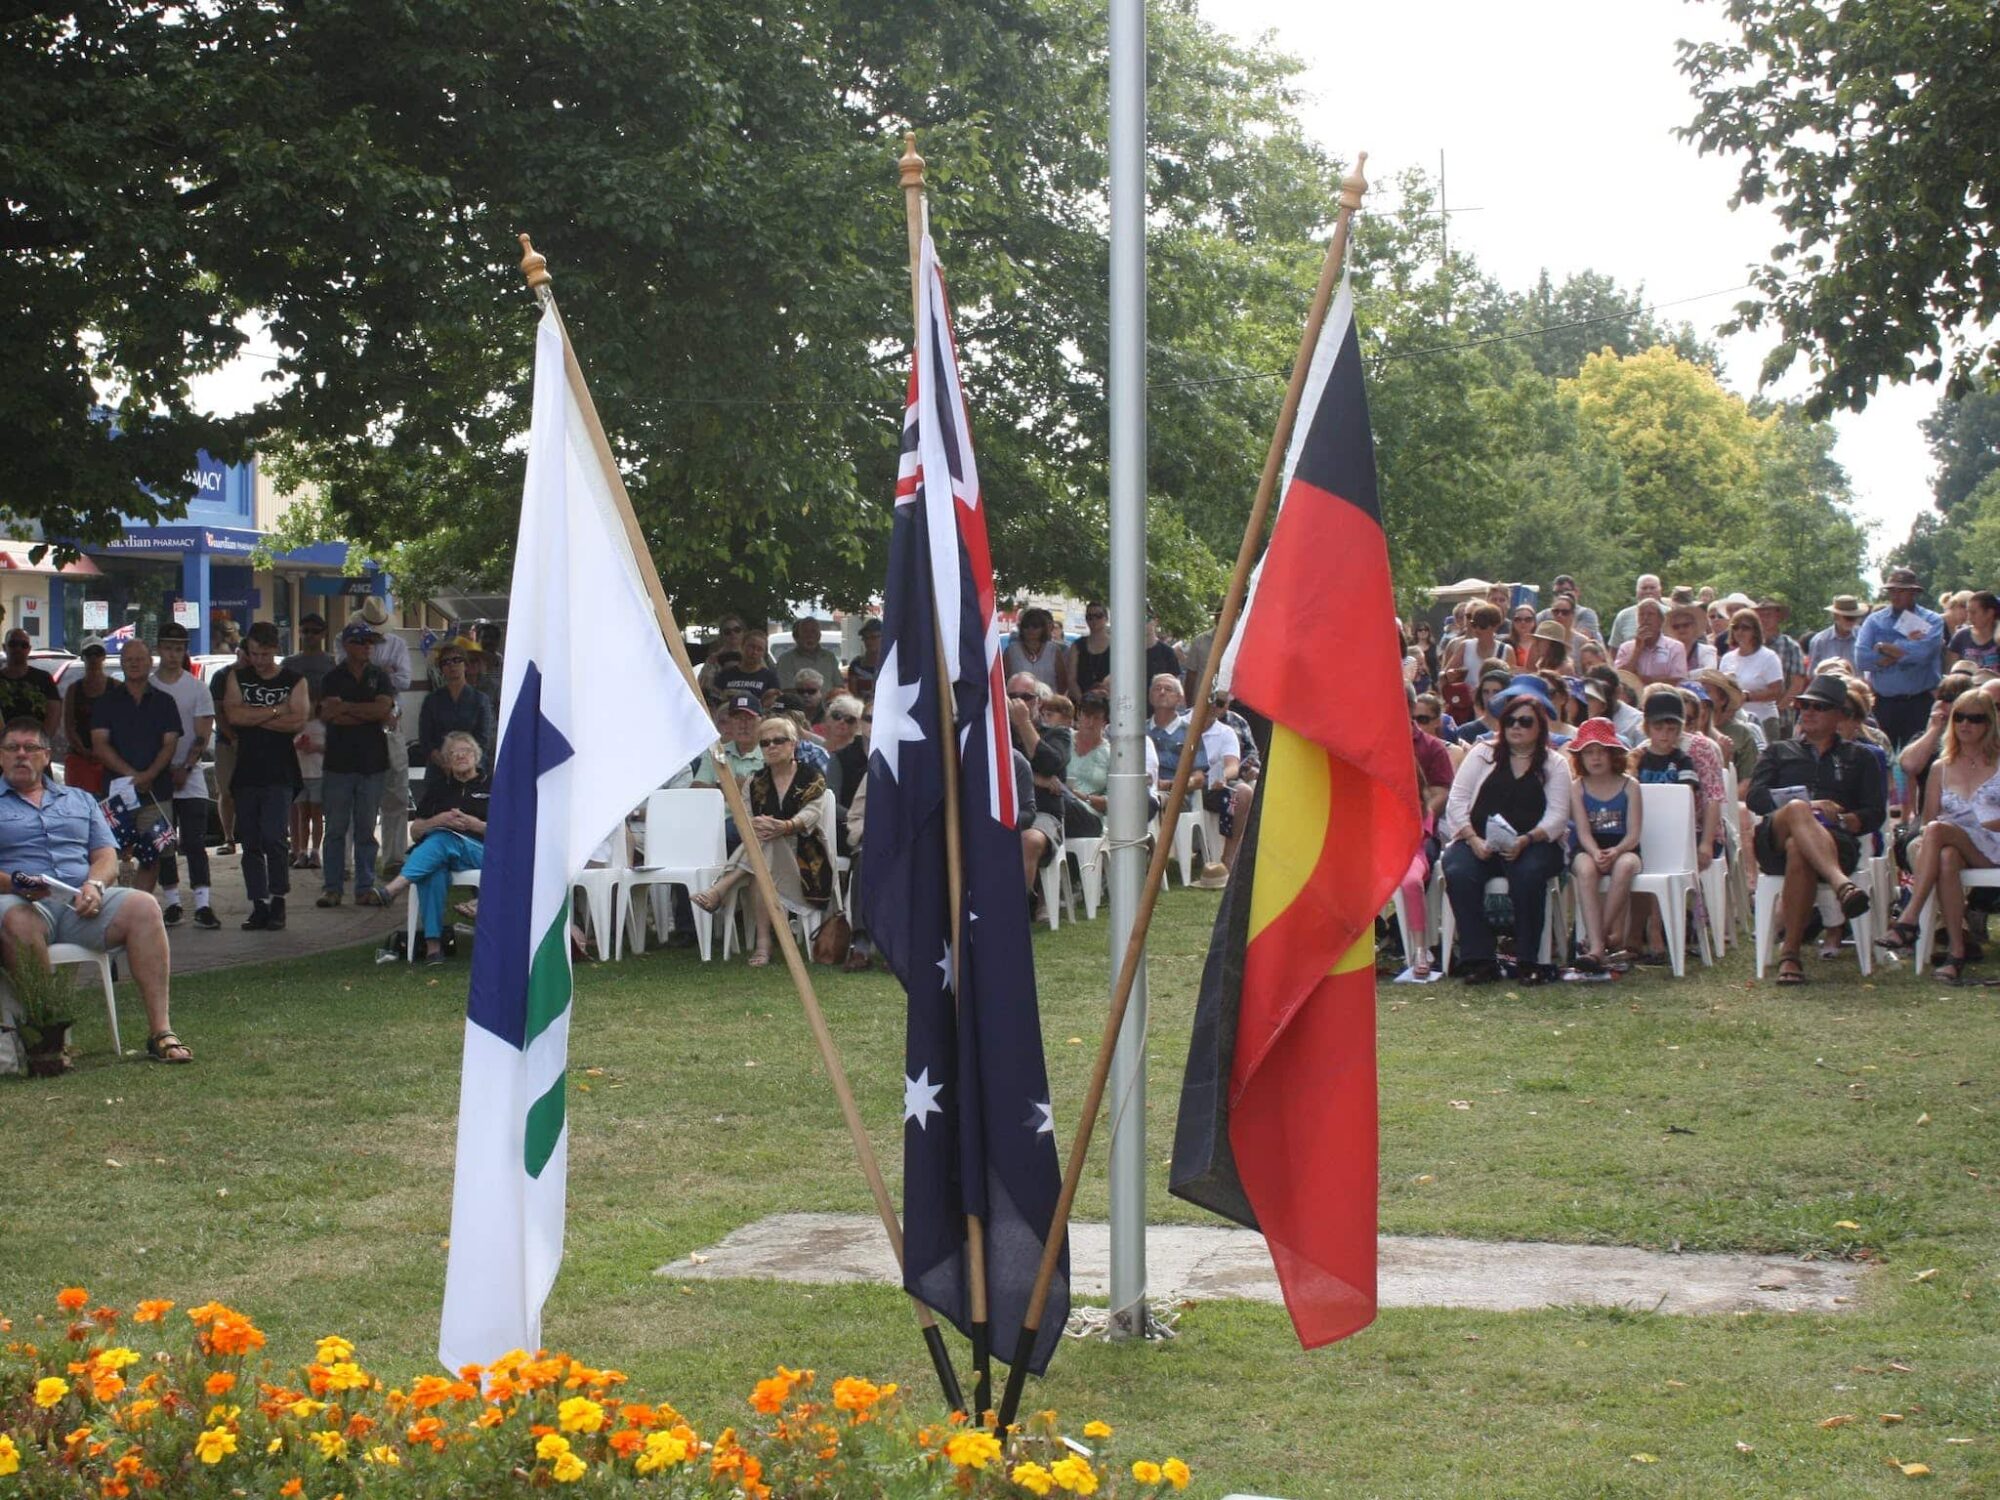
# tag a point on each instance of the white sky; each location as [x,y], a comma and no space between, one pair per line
[1556,121]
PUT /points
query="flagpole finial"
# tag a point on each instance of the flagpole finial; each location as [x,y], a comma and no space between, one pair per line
[534,266]
[1354,184]
[911,164]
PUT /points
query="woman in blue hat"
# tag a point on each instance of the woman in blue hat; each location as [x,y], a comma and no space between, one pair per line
[1506,819]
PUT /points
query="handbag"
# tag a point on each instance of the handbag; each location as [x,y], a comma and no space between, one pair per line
[832,941]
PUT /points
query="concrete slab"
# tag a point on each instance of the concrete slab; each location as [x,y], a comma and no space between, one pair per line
[1188,1262]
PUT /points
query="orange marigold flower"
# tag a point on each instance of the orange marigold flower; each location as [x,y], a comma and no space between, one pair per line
[152,1310]
[106,1388]
[206,1313]
[135,1415]
[221,1383]
[769,1397]
[493,1416]
[360,1425]
[427,1391]
[74,1439]
[626,1441]
[129,1465]
[426,1430]
[106,1316]
[632,1414]
[291,1487]
[114,1488]
[234,1335]
[70,1298]
[502,1388]
[851,1393]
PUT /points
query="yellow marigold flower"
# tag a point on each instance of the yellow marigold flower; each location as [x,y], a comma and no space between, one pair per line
[222,1412]
[1033,1478]
[386,1456]
[345,1375]
[214,1445]
[1074,1475]
[331,1445]
[276,1445]
[305,1407]
[10,1456]
[72,1298]
[568,1469]
[1097,1429]
[552,1446]
[1147,1472]
[663,1449]
[115,1359]
[221,1383]
[580,1414]
[49,1390]
[972,1450]
[1176,1472]
[152,1310]
[333,1349]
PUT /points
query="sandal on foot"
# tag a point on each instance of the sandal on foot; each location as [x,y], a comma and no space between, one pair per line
[165,1047]
[1951,971]
[1791,969]
[1900,937]
[1853,900]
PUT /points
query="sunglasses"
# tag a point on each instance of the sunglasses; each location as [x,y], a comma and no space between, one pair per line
[1425,718]
[1564,613]
[1521,721]
[452,661]
[1971,718]
[780,739]
[841,718]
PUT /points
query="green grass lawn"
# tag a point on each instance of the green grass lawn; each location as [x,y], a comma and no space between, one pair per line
[301,1171]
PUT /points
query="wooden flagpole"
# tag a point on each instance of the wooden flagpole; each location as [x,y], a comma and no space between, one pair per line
[910,175]
[535,268]
[1351,189]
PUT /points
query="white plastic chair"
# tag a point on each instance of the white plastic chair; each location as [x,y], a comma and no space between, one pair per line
[411,947]
[1927,919]
[64,954]
[1056,888]
[684,845]
[1433,915]
[1768,888]
[807,916]
[599,886]
[1087,855]
[1667,867]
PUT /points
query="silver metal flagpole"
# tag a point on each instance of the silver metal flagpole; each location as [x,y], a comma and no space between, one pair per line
[1128,801]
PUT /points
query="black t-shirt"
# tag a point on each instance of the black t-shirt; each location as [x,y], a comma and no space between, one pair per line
[27,696]
[356,749]
[1092,667]
[1161,657]
[136,728]
[473,798]
[264,757]
[742,680]
[1520,800]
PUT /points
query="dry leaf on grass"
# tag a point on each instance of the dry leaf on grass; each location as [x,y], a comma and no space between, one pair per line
[1925,1275]
[1461,1103]
[1891,1418]
[1912,1471]
[1900,1368]
[1845,1224]
[1645,1458]
[1742,1447]
[1839,1421]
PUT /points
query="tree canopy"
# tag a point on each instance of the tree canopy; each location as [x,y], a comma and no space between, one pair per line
[1871,128]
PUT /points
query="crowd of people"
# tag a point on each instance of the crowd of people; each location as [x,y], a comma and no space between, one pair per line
[310,760]
[1533,729]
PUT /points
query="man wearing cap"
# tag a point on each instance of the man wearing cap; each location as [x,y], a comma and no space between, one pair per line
[26,691]
[391,653]
[190,779]
[356,699]
[861,671]
[1819,796]
[1579,617]
[82,769]
[135,729]
[1976,646]
[1626,625]
[805,654]
[737,719]
[1901,648]
[1838,639]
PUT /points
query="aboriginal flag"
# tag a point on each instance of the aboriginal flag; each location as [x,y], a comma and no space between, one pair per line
[1277,1124]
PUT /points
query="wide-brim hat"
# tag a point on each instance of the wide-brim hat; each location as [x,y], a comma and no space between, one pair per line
[1847,607]
[1596,731]
[1826,690]
[1737,600]
[1767,602]
[1551,630]
[1525,687]
[1901,578]
[1634,683]
[374,611]
[1723,691]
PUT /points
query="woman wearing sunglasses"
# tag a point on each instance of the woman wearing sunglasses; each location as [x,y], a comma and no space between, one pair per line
[1961,827]
[784,812]
[1514,777]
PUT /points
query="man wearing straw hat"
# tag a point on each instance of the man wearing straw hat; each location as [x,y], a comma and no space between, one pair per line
[1837,639]
[1901,648]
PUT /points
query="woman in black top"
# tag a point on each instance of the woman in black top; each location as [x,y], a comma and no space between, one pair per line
[450,835]
[1090,657]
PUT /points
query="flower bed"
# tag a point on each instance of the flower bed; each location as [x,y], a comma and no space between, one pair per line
[83,1413]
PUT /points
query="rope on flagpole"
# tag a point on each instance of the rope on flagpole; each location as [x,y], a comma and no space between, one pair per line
[910,178]
[1352,187]
[535,268]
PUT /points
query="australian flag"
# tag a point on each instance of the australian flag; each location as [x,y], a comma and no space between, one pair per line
[978,1129]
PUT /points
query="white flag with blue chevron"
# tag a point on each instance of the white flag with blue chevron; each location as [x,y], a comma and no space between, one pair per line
[594,715]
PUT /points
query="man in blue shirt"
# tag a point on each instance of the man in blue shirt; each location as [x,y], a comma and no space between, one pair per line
[1901,648]
[50,832]
[135,730]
